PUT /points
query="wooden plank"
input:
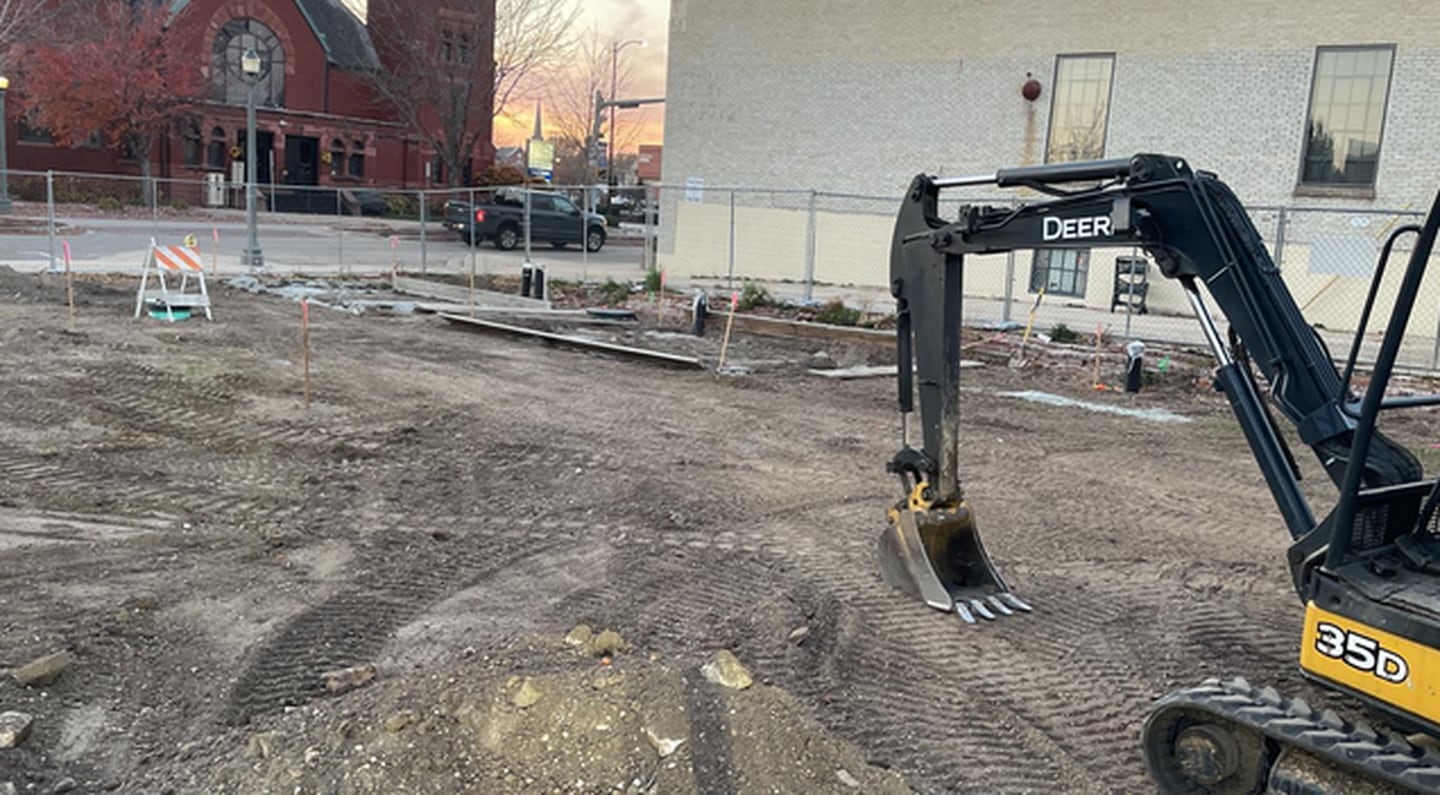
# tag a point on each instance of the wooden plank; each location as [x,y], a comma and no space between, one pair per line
[460,294]
[876,371]
[643,354]
[780,327]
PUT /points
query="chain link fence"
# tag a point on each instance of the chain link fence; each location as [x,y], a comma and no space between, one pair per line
[804,245]
[815,246]
[106,223]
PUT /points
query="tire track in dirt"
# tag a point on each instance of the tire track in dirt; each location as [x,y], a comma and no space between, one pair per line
[1066,692]
[395,583]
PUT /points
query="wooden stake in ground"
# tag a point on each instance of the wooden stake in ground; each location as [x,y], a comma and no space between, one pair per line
[660,300]
[1099,335]
[729,323]
[215,251]
[69,285]
[305,341]
[1018,360]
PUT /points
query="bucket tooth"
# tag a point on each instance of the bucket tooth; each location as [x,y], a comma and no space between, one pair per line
[937,556]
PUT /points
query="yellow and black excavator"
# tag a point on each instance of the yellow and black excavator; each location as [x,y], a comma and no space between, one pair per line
[1368,574]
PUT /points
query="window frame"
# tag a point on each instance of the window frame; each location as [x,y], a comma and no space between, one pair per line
[1081,281]
[355,165]
[270,83]
[218,141]
[1055,97]
[1358,189]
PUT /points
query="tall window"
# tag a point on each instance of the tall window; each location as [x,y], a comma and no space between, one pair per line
[357,160]
[1347,114]
[1060,271]
[1079,107]
[337,158]
[194,143]
[216,150]
[228,78]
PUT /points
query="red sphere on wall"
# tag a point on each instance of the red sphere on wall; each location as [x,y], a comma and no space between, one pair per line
[1031,89]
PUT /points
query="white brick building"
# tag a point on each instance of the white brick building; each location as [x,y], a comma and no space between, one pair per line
[857,96]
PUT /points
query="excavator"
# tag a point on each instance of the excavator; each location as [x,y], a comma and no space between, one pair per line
[1367,574]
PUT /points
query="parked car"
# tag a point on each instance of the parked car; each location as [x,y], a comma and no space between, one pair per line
[554,219]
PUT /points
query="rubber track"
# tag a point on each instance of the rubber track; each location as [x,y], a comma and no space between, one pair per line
[1293,722]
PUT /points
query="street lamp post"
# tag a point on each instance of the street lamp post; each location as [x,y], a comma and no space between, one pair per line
[4,154]
[615,49]
[250,65]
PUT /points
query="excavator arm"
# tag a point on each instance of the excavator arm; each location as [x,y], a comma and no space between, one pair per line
[1368,573]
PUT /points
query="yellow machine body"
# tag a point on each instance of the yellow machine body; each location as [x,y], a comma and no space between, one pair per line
[1372,662]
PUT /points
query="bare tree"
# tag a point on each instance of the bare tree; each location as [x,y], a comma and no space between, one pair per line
[25,20]
[533,39]
[437,75]
[571,96]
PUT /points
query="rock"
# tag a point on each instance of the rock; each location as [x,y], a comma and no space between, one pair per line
[799,634]
[527,695]
[43,671]
[820,360]
[399,721]
[607,644]
[847,779]
[14,728]
[260,746]
[7,788]
[143,601]
[606,678]
[64,785]
[347,679]
[312,756]
[580,635]
[725,670]
[663,746]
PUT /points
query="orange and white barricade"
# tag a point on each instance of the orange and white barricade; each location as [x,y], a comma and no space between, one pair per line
[182,262]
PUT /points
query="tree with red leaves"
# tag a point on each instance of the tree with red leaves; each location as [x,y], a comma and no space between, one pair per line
[108,69]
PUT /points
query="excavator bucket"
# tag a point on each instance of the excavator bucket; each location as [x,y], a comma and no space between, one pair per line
[937,557]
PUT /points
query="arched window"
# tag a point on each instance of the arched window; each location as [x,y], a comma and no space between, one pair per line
[357,160]
[337,158]
[215,152]
[229,82]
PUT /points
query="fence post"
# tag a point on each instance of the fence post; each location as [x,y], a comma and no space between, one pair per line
[1280,239]
[730,274]
[652,237]
[810,247]
[424,259]
[50,213]
[151,188]
[584,234]
[340,229]
[527,224]
[470,238]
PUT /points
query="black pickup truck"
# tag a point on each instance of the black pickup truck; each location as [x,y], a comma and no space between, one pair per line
[554,220]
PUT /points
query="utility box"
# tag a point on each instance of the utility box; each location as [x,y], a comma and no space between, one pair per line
[214,190]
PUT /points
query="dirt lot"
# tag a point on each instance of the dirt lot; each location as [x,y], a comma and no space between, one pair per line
[452,504]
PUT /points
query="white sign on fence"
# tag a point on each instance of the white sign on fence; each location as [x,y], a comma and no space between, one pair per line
[694,189]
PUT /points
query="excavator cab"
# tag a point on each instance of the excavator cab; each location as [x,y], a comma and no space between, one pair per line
[1368,574]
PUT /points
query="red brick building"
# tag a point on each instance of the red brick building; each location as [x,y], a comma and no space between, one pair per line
[319,123]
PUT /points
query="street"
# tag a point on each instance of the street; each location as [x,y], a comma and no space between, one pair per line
[304,245]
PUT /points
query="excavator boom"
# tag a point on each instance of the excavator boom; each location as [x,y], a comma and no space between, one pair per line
[1368,573]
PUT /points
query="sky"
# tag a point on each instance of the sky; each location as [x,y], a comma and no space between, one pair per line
[617,20]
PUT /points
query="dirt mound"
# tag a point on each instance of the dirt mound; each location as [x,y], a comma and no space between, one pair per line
[543,717]
[49,288]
